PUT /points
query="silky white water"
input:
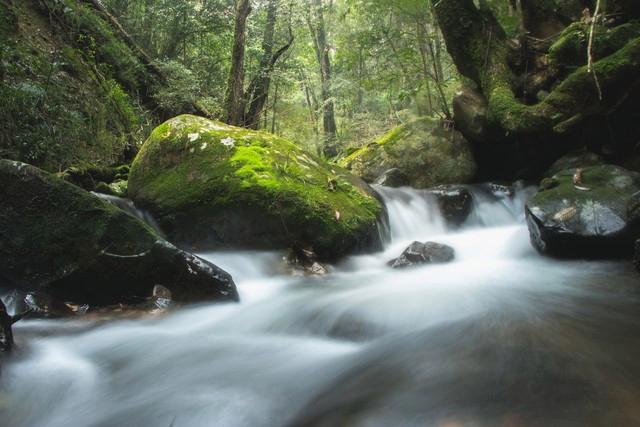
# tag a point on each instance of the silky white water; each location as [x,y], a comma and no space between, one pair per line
[499,337]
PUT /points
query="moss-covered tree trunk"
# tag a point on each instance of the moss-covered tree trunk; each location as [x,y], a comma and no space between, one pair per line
[502,68]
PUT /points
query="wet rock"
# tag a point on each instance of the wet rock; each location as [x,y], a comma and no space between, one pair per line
[211,185]
[43,305]
[161,297]
[423,253]
[470,114]
[593,213]
[501,191]
[573,160]
[393,178]
[455,203]
[304,261]
[6,330]
[59,239]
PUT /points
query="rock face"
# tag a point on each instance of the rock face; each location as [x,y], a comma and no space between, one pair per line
[60,239]
[211,185]
[425,150]
[423,253]
[595,214]
[455,203]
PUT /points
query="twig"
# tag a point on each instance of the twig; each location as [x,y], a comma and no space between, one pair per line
[590,49]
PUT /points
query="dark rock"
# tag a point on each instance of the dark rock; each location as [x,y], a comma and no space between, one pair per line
[598,217]
[500,191]
[470,114]
[393,178]
[636,258]
[423,253]
[575,159]
[455,202]
[303,260]
[6,330]
[41,304]
[104,188]
[62,240]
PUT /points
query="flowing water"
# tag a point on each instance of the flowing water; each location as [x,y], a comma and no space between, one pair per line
[500,337]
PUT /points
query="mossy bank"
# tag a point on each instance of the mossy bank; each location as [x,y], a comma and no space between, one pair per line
[211,185]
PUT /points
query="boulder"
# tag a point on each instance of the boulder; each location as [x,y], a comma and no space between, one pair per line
[211,185]
[470,114]
[591,212]
[575,159]
[428,151]
[70,244]
[423,253]
[455,203]
[393,178]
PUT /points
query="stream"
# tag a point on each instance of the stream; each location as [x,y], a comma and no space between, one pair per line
[499,337]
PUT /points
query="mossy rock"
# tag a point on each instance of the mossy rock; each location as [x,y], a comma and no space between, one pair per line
[60,239]
[210,185]
[425,150]
[575,159]
[597,217]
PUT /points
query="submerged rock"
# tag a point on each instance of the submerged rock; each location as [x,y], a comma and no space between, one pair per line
[423,253]
[62,240]
[211,185]
[428,151]
[393,178]
[589,212]
[455,203]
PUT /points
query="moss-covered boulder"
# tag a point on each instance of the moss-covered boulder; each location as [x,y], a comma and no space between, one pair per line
[595,213]
[575,159]
[211,185]
[60,239]
[426,150]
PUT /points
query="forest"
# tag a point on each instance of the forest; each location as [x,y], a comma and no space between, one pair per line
[429,210]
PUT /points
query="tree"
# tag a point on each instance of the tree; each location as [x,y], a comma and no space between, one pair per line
[259,88]
[319,35]
[531,97]
[235,101]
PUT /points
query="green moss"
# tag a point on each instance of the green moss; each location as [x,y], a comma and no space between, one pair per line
[570,50]
[77,229]
[62,102]
[424,149]
[191,162]
[606,183]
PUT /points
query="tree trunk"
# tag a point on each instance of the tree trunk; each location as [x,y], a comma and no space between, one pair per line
[319,34]
[259,88]
[235,102]
[481,52]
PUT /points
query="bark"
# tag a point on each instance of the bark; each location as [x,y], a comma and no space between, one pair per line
[235,102]
[319,34]
[481,52]
[259,88]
